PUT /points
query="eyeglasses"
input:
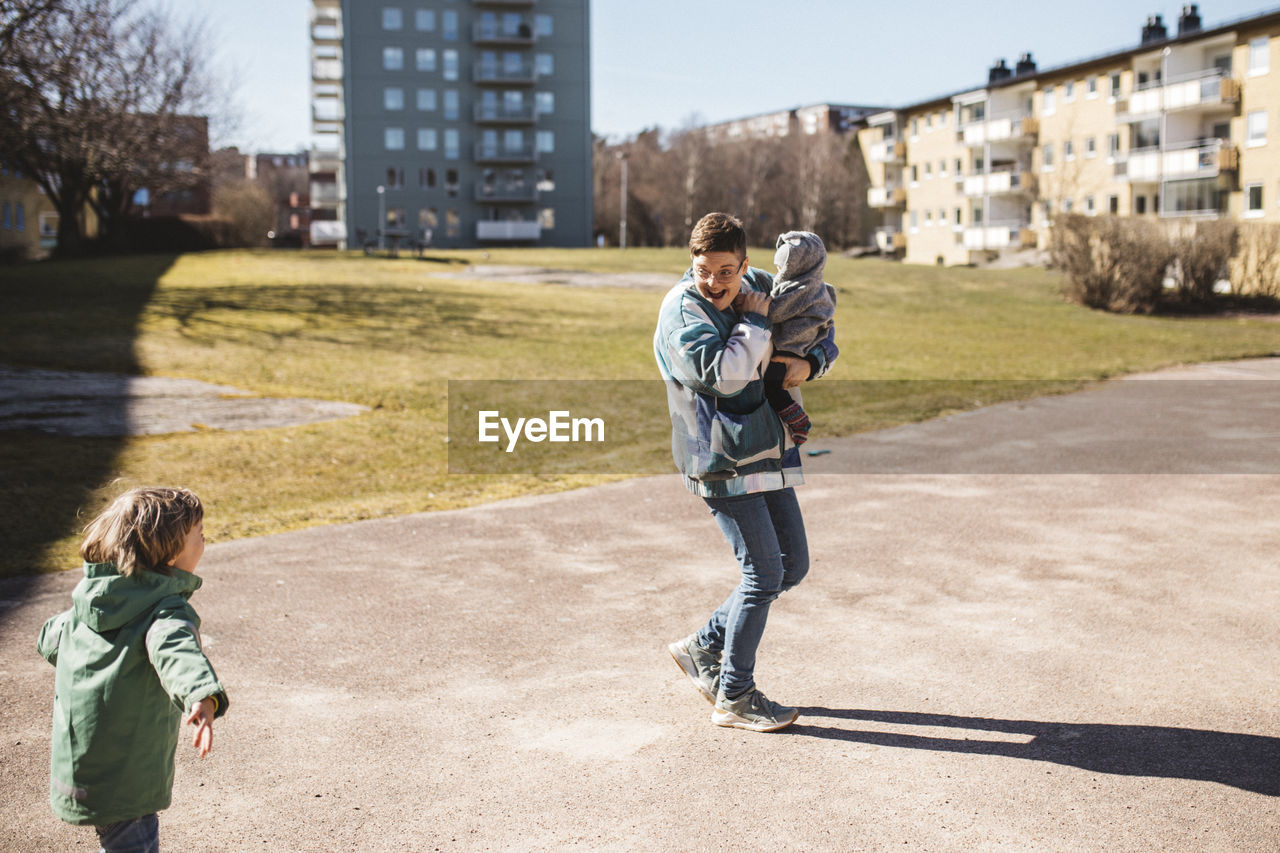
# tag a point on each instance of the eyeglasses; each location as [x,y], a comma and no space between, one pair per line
[721,277]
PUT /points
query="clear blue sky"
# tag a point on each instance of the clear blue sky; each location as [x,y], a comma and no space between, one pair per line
[662,62]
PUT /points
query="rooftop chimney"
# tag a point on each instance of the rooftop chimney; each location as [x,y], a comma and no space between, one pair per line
[1189,20]
[1026,65]
[1154,30]
[999,72]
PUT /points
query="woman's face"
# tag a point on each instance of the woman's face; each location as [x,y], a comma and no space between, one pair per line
[719,277]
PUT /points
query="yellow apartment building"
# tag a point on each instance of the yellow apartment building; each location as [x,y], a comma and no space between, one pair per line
[28,219]
[1183,125]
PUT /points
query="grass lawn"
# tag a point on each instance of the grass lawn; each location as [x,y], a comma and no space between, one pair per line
[390,333]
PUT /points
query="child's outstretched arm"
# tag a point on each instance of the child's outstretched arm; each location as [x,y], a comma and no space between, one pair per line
[201,716]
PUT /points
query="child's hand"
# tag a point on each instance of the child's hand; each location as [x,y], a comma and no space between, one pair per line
[201,717]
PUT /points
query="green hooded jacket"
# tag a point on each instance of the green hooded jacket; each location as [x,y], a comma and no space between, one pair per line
[129,664]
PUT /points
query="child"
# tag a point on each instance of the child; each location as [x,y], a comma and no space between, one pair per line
[130,668]
[802,312]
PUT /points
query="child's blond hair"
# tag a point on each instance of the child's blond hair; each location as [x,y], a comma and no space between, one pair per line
[142,530]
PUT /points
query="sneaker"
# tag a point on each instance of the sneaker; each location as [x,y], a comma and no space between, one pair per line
[753,712]
[701,665]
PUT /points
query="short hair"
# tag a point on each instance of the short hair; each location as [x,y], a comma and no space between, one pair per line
[142,530]
[718,232]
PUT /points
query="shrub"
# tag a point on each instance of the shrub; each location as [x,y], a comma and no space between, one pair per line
[1111,263]
[1202,255]
[1255,269]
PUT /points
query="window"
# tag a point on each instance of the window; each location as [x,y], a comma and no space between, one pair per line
[547,217]
[959,167]
[1113,145]
[1259,56]
[915,224]
[1046,156]
[449,25]
[427,100]
[392,18]
[1257,129]
[1069,150]
[1068,91]
[915,127]
[1067,204]
[451,144]
[393,98]
[928,121]
[395,217]
[1115,85]
[542,25]
[432,219]
[513,140]
[1091,87]
[959,214]
[1140,204]
[451,183]
[1253,200]
[451,104]
[452,224]
[392,59]
[393,138]
[545,64]
[915,173]
[1089,206]
[546,141]
[20,217]
[395,178]
[1049,101]
[928,170]
[425,58]
[1090,147]
[942,168]
[8,222]
[427,139]
[1113,204]
[426,181]
[424,20]
[546,103]
[942,216]
[451,65]
[546,181]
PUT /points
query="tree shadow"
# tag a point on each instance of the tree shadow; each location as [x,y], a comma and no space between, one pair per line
[64,316]
[1247,762]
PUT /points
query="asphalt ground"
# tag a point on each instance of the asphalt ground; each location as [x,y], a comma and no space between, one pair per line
[986,656]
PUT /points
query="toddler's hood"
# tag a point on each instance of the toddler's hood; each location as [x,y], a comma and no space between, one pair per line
[800,254]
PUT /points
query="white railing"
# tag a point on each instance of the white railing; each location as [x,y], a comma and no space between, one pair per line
[1195,159]
[508,230]
[994,235]
[1009,125]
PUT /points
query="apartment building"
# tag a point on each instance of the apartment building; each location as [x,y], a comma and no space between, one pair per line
[809,119]
[28,219]
[465,122]
[1183,125]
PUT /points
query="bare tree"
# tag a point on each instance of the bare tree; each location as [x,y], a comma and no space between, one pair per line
[97,96]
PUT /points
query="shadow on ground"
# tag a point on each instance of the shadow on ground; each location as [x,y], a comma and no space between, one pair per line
[1248,762]
[93,320]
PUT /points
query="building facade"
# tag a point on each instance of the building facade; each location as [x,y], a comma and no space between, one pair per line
[1179,126]
[28,219]
[458,123]
[810,119]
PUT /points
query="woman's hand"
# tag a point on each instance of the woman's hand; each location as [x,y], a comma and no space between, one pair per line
[798,369]
[752,300]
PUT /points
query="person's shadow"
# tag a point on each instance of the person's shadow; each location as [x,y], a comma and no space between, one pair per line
[1248,762]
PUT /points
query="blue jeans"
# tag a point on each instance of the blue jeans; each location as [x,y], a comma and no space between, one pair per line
[140,835]
[767,535]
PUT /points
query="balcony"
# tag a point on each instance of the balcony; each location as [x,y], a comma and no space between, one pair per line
[494,194]
[1002,182]
[889,151]
[501,154]
[1208,90]
[1013,234]
[509,231]
[890,196]
[1200,158]
[519,35]
[1016,126]
[502,114]
[484,74]
[326,193]
[890,240]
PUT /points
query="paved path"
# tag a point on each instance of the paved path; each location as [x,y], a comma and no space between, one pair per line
[984,661]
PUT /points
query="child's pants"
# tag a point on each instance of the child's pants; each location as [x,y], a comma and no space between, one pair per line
[139,835]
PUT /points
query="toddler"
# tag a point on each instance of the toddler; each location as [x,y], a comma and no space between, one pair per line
[802,312]
[130,668]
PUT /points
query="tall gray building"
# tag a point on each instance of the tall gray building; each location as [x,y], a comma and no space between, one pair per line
[467,121]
